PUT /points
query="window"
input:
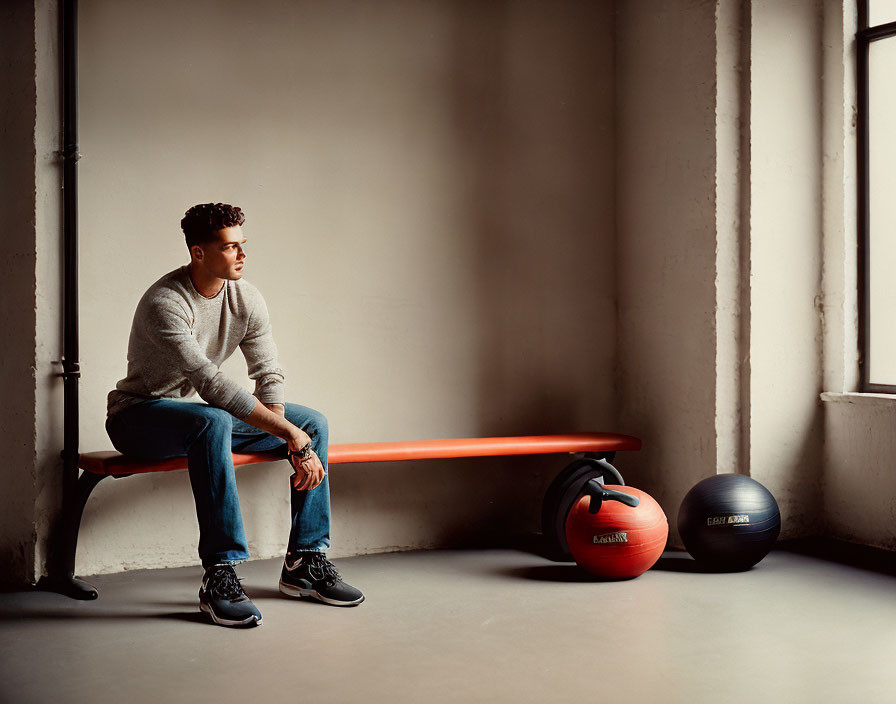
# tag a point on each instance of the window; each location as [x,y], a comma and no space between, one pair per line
[876,51]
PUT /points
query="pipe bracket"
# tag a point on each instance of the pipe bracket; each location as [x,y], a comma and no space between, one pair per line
[70,369]
[71,152]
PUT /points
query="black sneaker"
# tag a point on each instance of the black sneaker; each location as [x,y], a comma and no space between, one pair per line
[312,574]
[222,597]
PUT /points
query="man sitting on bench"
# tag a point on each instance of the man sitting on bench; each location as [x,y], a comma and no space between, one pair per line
[186,324]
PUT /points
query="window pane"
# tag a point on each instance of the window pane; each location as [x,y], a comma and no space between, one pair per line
[881,12]
[882,222]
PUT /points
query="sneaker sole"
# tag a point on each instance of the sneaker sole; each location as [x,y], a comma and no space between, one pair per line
[250,621]
[299,593]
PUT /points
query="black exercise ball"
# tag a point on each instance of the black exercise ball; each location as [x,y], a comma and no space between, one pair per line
[729,522]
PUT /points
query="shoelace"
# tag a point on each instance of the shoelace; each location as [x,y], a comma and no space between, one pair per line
[330,573]
[224,584]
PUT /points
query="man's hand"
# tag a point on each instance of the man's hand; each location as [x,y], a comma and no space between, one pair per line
[309,472]
[271,417]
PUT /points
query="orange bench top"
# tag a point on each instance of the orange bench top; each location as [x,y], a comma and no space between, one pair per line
[114,463]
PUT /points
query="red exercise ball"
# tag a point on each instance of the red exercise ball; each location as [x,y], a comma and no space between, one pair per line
[624,538]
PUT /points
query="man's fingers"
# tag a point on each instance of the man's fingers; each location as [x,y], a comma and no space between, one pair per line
[301,479]
[308,483]
[317,473]
[309,474]
[312,479]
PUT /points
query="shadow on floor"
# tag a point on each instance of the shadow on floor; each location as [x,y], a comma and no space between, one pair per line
[674,561]
[843,553]
[535,544]
[42,613]
[551,573]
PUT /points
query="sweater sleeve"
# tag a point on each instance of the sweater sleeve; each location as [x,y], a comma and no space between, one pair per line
[178,348]
[260,351]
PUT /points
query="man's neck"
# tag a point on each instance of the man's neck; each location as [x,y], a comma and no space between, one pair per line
[206,284]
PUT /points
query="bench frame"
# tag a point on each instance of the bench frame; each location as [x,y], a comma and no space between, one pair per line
[593,450]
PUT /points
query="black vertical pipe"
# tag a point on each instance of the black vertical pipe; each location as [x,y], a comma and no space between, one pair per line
[75,490]
[61,564]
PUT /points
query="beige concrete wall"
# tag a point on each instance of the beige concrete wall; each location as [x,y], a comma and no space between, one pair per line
[430,199]
[48,275]
[30,421]
[17,189]
[666,215]
[720,238]
[840,200]
[860,486]
[732,269]
[785,258]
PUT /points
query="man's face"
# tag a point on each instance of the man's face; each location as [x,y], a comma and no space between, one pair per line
[224,256]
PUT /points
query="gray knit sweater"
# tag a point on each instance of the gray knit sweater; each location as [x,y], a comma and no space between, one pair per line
[179,338]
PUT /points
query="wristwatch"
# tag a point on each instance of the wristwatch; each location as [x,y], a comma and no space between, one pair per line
[303,454]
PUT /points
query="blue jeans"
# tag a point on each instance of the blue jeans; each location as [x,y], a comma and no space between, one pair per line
[206,436]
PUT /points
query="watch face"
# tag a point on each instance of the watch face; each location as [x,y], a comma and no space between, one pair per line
[304,453]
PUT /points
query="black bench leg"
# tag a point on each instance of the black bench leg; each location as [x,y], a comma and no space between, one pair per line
[61,578]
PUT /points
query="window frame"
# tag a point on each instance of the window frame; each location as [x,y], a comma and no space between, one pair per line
[864,37]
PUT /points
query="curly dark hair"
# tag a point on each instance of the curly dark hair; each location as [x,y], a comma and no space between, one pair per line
[201,221]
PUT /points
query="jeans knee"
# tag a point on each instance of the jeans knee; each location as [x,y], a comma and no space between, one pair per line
[214,422]
[312,422]
[318,426]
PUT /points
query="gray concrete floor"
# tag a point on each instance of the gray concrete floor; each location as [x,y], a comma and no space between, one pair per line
[468,626]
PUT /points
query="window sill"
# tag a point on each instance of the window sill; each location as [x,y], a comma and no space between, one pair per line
[859,398]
